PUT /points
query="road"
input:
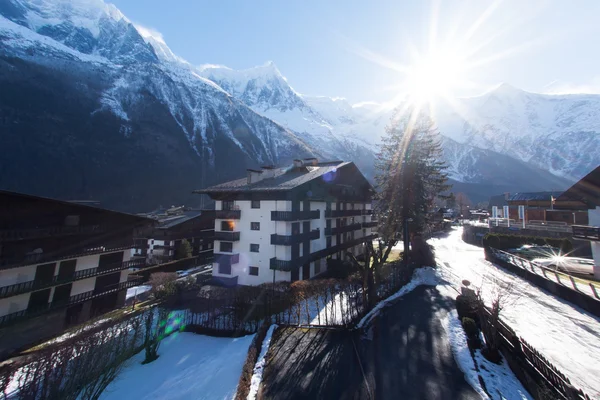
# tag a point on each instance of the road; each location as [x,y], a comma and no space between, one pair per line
[405,354]
[409,354]
[568,336]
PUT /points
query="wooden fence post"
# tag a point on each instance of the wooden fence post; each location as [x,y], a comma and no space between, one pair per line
[594,290]
[573,282]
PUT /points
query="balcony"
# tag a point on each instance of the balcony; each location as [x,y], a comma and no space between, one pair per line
[78,298]
[226,259]
[295,215]
[343,229]
[228,214]
[288,265]
[288,240]
[30,286]
[346,213]
[227,236]
[36,233]
[584,232]
[371,224]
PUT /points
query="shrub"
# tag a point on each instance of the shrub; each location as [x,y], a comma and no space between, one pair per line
[340,269]
[470,328]
[466,306]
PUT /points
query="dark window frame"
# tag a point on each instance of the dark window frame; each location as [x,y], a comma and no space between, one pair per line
[255,226]
[253,269]
[254,246]
[255,204]
[228,245]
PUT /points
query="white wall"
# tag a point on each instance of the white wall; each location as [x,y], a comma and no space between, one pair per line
[594,220]
[87,262]
[83,285]
[13,304]
[17,275]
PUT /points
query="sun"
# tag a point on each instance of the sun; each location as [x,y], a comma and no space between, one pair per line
[435,76]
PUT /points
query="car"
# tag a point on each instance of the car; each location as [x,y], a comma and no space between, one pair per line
[574,265]
[534,250]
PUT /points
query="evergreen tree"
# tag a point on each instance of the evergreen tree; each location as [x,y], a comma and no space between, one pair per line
[410,173]
[184,250]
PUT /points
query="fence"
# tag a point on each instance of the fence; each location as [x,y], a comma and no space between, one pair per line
[538,225]
[536,373]
[557,283]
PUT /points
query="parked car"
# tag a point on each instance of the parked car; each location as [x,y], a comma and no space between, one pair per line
[536,251]
[573,265]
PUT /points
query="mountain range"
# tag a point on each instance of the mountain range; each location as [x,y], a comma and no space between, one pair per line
[94,107]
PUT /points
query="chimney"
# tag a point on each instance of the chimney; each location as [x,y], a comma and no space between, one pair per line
[254,176]
[268,171]
[298,163]
[311,161]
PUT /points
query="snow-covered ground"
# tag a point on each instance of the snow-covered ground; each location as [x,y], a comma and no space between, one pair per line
[137,290]
[190,366]
[568,336]
[499,380]
[259,367]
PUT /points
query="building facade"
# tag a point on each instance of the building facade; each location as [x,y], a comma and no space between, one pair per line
[281,224]
[160,245]
[62,262]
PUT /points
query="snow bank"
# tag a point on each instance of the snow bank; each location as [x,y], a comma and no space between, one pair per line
[190,366]
[260,365]
[134,291]
[421,276]
[460,350]
[500,379]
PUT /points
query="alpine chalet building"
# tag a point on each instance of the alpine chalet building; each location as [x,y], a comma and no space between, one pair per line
[281,224]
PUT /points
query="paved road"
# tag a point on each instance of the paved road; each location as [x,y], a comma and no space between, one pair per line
[406,355]
[409,355]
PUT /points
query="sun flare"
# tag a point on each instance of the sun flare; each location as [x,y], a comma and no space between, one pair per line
[435,76]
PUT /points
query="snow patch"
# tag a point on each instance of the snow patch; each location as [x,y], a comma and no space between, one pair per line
[260,364]
[421,276]
[134,291]
[190,366]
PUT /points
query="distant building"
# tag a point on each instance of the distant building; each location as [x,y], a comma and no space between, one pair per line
[61,262]
[174,225]
[281,224]
[538,206]
[585,194]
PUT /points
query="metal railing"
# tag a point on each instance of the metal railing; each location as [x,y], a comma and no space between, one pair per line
[370,224]
[78,298]
[538,269]
[30,286]
[550,226]
[586,232]
[227,236]
[34,233]
[226,259]
[295,215]
[228,214]
[346,213]
[288,240]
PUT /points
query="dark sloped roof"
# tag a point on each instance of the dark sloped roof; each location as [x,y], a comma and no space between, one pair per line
[175,220]
[498,201]
[533,196]
[284,179]
[587,189]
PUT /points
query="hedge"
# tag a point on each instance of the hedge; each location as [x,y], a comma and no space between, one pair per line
[503,241]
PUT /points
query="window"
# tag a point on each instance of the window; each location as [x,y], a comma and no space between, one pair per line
[227,226]
[253,271]
[255,204]
[226,247]
[255,226]
[225,269]
[228,205]
[254,248]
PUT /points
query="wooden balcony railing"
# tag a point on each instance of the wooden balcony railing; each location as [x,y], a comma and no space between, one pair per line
[295,215]
[228,214]
[288,240]
[586,232]
[346,213]
[343,229]
[227,236]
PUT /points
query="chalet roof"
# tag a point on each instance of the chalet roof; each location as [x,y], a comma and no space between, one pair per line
[174,220]
[533,196]
[586,190]
[498,201]
[285,178]
[74,205]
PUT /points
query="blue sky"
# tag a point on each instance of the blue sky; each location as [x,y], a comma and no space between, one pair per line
[345,48]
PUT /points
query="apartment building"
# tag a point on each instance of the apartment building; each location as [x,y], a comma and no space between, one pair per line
[281,224]
[174,225]
[61,263]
